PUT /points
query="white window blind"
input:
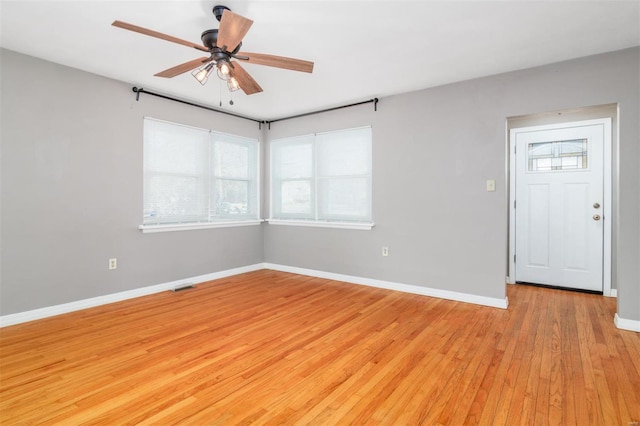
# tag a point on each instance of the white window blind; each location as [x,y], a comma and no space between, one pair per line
[324,177]
[195,175]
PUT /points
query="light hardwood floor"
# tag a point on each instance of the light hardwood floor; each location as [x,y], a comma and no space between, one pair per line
[275,348]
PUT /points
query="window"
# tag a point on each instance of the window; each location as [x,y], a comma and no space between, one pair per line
[322,178]
[560,155]
[197,177]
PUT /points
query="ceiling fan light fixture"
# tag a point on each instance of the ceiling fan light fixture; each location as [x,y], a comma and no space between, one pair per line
[224,70]
[233,84]
[202,74]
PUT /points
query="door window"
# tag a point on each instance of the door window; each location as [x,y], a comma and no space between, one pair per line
[557,155]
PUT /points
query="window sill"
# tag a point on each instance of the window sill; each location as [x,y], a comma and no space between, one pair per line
[193,226]
[363,226]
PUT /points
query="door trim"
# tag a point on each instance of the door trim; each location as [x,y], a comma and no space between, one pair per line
[608,218]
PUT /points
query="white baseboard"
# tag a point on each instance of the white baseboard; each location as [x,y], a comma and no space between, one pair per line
[626,324]
[406,288]
[20,317]
[12,319]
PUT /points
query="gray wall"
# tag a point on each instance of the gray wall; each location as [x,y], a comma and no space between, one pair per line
[72,184]
[433,151]
[72,190]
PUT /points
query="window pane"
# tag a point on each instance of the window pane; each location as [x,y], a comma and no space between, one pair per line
[543,149]
[232,197]
[558,155]
[346,198]
[232,160]
[174,148]
[175,173]
[235,162]
[171,198]
[294,160]
[296,197]
[572,147]
[344,153]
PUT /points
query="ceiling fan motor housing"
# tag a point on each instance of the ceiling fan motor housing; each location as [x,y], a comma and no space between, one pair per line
[210,39]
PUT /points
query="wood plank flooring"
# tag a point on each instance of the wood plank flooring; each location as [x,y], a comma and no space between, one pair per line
[275,348]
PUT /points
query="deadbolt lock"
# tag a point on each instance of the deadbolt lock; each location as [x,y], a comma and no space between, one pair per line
[596,205]
[596,217]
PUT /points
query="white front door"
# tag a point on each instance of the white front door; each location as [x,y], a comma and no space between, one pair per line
[559,205]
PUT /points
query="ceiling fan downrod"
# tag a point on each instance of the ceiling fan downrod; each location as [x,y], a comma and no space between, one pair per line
[219,10]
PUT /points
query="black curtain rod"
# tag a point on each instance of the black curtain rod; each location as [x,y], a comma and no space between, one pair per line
[375,108]
[137,91]
[141,90]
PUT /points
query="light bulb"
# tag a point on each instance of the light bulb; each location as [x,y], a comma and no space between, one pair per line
[224,70]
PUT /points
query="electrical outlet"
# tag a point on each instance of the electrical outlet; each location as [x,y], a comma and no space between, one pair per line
[113,263]
[385,251]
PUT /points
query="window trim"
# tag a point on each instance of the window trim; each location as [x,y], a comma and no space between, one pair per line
[362,226]
[147,229]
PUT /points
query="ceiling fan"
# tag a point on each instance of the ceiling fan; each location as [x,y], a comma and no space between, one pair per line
[223,45]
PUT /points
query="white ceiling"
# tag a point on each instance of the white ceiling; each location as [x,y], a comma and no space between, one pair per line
[361,49]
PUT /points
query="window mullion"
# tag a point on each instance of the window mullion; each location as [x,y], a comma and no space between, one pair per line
[314,179]
[212,190]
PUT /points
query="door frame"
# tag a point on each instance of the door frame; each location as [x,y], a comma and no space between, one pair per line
[607,196]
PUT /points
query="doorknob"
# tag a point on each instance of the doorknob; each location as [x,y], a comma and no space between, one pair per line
[596,217]
[596,205]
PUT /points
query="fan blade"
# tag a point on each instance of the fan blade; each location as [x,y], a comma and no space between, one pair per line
[156,34]
[233,28]
[246,82]
[182,68]
[278,61]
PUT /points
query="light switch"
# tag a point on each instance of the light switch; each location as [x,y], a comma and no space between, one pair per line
[491,185]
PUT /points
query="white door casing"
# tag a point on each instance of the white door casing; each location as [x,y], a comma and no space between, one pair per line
[560,221]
